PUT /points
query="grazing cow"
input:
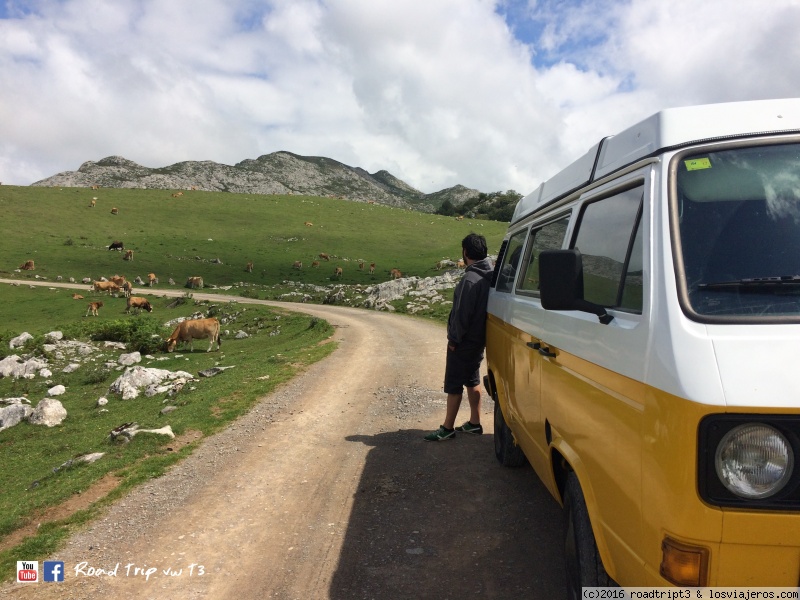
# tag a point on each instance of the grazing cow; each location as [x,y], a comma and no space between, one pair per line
[92,202]
[308,224]
[177,194]
[115,211]
[116,245]
[27,266]
[93,306]
[151,279]
[138,303]
[315,263]
[396,274]
[105,286]
[118,279]
[188,331]
[298,264]
[337,272]
[370,201]
[194,283]
[361,265]
[372,268]
[460,218]
[127,289]
[128,255]
[77,297]
[95,187]
[249,267]
[324,256]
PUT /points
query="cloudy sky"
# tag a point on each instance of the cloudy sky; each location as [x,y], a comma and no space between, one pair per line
[491,94]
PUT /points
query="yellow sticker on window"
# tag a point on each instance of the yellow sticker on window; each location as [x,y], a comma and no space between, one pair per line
[697,164]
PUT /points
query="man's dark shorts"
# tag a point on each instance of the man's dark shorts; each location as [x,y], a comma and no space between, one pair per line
[463,369]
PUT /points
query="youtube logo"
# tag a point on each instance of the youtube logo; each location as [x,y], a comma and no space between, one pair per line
[27,571]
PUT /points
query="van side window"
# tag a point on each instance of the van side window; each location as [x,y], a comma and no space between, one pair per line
[508,270]
[609,238]
[547,237]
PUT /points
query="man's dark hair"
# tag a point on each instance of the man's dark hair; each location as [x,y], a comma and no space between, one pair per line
[474,246]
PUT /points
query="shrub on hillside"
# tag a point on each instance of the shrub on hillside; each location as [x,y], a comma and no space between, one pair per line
[142,334]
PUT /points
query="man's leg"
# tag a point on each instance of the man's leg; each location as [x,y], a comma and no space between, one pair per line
[474,397]
[453,404]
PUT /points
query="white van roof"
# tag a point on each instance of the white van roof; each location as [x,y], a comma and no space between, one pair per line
[668,128]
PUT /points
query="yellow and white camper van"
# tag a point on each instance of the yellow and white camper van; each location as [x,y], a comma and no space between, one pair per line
[643,349]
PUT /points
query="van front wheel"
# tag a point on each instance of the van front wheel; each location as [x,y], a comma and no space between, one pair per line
[583,565]
[508,453]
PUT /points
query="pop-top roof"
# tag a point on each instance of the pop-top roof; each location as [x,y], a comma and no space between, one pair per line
[668,128]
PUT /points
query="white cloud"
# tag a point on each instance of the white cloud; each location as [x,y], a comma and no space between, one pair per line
[438,92]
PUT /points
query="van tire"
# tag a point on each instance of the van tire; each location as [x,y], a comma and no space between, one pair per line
[584,567]
[506,451]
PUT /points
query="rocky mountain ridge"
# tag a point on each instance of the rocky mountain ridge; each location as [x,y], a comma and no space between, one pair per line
[276,173]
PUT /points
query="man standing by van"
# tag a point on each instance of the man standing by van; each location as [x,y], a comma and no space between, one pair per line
[466,338]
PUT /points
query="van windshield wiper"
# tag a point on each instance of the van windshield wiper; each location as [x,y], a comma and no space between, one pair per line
[753,283]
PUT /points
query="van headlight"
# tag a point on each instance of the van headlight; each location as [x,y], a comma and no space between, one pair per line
[754,460]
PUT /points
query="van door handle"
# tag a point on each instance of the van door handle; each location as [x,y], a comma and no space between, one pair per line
[546,352]
[534,345]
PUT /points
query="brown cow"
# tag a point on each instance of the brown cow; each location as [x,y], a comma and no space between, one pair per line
[127,289]
[372,268]
[396,274]
[27,266]
[105,286]
[93,306]
[315,263]
[298,264]
[324,256]
[138,303]
[361,265]
[92,202]
[128,255]
[115,211]
[118,279]
[188,331]
[460,264]
[308,224]
[337,272]
[177,194]
[95,187]
[151,279]
[194,283]
[249,267]
[77,297]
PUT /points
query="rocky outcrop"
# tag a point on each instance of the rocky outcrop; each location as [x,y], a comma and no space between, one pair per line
[18,410]
[276,173]
[135,379]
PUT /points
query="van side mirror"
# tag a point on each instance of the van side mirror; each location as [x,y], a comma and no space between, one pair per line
[561,283]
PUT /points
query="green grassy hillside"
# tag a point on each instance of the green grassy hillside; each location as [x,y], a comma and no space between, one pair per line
[215,234]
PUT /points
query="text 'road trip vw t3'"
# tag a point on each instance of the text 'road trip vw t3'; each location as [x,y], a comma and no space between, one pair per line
[643,349]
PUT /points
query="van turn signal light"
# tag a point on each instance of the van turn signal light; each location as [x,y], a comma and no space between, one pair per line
[683,564]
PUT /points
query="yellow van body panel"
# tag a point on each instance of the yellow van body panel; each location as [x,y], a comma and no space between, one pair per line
[634,449]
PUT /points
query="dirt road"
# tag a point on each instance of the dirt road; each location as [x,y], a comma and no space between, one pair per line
[327,490]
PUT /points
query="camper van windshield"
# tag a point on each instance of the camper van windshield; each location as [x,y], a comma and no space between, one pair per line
[739,225]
